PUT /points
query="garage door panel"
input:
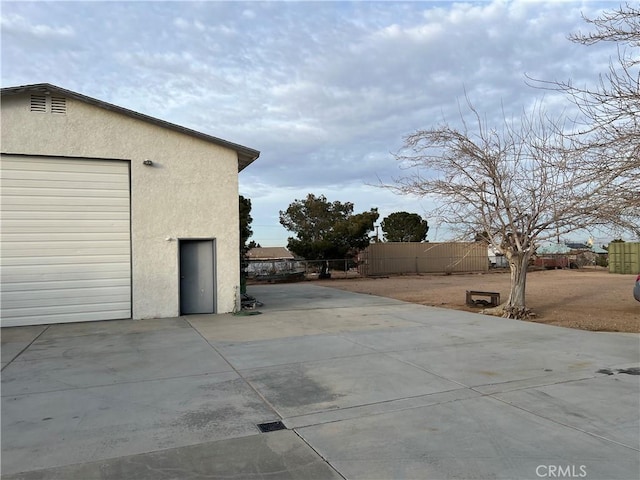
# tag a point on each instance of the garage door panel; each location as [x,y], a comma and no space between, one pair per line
[61,309]
[61,177]
[16,202]
[58,251]
[59,164]
[45,247]
[68,317]
[60,237]
[77,313]
[68,227]
[61,285]
[86,269]
[65,240]
[44,261]
[61,192]
[23,215]
[33,274]
[80,183]
[48,301]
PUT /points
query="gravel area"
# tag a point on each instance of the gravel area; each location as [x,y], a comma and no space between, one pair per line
[588,299]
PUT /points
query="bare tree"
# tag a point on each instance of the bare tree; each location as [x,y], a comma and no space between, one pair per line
[521,184]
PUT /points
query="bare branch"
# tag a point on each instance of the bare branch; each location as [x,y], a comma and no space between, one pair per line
[621,25]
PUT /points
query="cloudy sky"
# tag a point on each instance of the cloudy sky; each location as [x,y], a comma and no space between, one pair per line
[325,90]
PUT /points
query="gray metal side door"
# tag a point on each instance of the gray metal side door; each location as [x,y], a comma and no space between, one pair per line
[197,280]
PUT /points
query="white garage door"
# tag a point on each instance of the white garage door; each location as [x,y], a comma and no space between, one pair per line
[65,240]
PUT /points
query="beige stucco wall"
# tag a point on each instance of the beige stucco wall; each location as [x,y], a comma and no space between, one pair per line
[191,191]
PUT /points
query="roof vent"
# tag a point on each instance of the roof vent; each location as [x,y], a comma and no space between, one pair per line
[38,103]
[59,105]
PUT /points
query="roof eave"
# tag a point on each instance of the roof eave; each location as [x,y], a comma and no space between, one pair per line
[246,155]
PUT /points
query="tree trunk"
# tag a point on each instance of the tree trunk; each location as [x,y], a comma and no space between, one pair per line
[324,270]
[516,306]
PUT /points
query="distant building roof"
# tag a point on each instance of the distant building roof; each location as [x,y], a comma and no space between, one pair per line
[578,246]
[599,250]
[553,248]
[270,253]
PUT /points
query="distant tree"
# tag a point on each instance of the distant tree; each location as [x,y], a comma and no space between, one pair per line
[404,227]
[521,183]
[326,230]
[245,224]
[616,240]
[245,232]
[253,244]
[481,237]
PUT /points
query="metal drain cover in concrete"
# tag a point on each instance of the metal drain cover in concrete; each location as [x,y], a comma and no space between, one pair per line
[271,426]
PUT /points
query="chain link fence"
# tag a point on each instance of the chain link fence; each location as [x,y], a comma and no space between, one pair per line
[296,270]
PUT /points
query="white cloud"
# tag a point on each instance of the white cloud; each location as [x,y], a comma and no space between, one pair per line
[17,24]
[326,90]
[248,13]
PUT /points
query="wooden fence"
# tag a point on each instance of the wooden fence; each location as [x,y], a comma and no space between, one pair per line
[408,257]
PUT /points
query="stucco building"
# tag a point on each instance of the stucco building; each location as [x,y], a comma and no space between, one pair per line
[110,214]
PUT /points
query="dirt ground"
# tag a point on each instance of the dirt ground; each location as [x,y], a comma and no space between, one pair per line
[588,299]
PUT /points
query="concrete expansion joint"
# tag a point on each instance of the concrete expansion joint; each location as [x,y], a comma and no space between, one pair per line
[566,425]
[530,386]
[26,347]
[238,372]
[382,412]
[462,385]
[317,452]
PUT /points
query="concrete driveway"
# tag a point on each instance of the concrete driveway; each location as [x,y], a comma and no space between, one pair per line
[367,388]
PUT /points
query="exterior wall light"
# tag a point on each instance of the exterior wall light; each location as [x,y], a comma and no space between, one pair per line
[148,163]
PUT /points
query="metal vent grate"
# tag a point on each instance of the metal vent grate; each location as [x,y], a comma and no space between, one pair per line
[59,105]
[38,103]
[271,426]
